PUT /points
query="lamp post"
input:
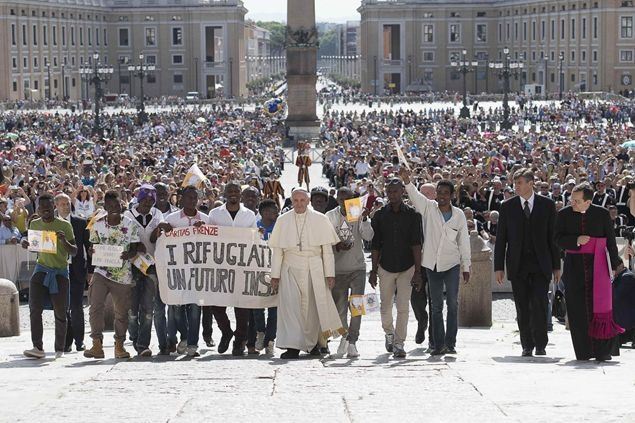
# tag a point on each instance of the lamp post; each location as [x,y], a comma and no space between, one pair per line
[476,77]
[97,75]
[196,73]
[231,79]
[464,66]
[48,71]
[486,72]
[561,75]
[140,71]
[376,81]
[63,84]
[545,78]
[505,71]
[121,61]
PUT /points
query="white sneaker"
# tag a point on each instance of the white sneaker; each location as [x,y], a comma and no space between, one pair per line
[182,347]
[59,354]
[269,348]
[341,350]
[34,353]
[192,351]
[352,351]
[260,341]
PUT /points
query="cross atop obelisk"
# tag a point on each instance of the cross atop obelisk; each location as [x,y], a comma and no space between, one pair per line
[302,48]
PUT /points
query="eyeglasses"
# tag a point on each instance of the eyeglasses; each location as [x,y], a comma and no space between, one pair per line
[394,181]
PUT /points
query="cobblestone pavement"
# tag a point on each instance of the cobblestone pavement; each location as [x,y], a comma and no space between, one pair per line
[487,381]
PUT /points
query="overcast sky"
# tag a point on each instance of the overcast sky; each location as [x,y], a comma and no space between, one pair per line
[326,10]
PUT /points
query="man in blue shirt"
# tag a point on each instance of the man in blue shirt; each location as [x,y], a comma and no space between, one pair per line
[9,234]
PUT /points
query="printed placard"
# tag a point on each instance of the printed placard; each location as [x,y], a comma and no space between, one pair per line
[354,209]
[361,305]
[143,262]
[42,241]
[107,255]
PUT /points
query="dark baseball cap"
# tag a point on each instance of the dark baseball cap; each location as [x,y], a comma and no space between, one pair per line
[320,191]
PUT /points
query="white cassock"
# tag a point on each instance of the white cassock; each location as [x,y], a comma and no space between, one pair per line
[302,247]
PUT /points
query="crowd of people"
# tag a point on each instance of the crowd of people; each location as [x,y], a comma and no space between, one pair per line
[58,173]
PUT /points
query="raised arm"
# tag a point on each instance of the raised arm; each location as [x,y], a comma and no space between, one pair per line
[420,201]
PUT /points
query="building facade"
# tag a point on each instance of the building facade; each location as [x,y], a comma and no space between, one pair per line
[195,45]
[348,38]
[261,60]
[579,45]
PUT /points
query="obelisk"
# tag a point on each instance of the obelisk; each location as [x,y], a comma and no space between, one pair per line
[302,49]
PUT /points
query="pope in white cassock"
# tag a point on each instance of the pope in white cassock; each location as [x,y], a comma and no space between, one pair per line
[303,269]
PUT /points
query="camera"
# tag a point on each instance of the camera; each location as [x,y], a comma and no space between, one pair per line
[627,232]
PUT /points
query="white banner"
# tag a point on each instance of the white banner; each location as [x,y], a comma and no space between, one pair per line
[215,265]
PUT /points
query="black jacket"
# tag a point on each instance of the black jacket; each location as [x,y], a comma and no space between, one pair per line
[80,263]
[509,236]
[624,299]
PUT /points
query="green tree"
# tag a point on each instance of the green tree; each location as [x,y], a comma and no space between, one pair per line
[328,43]
[278,35]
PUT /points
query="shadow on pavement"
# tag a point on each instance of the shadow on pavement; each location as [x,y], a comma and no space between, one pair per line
[21,362]
[348,363]
[418,352]
[589,364]
[526,360]
[88,362]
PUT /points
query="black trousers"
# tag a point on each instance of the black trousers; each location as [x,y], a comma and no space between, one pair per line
[38,297]
[208,319]
[75,314]
[530,296]
[242,321]
[419,301]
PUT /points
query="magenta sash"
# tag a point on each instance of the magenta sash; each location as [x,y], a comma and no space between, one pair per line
[602,325]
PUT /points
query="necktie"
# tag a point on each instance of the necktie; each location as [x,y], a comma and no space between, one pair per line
[526,209]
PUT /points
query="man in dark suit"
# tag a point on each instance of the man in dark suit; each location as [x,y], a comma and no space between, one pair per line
[494,195]
[78,271]
[525,243]
[622,201]
[601,197]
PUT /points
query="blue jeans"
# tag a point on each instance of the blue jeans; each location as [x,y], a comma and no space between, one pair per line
[189,316]
[175,323]
[257,323]
[141,310]
[437,281]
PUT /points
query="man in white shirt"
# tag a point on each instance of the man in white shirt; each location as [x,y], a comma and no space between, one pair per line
[362,168]
[188,317]
[151,223]
[232,213]
[446,249]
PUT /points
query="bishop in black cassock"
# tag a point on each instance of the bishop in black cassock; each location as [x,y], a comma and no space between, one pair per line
[578,275]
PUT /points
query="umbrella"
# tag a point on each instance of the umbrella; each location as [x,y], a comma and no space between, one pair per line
[201,120]
[12,135]
[629,144]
